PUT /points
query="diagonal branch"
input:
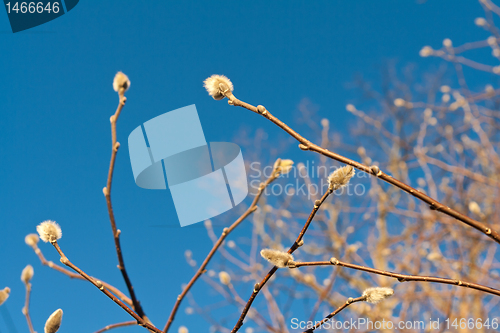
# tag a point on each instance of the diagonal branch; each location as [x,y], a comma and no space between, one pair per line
[72,275]
[140,321]
[373,170]
[275,174]
[334,313]
[298,242]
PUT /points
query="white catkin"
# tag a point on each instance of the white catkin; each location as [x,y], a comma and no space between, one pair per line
[377,294]
[277,258]
[121,81]
[341,177]
[215,85]
[49,231]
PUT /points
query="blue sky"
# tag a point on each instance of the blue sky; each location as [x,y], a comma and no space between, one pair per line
[57,97]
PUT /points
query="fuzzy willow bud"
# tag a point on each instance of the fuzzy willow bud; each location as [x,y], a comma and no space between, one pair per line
[4,294]
[277,258]
[377,294]
[121,83]
[341,177]
[27,274]
[49,231]
[54,322]
[217,86]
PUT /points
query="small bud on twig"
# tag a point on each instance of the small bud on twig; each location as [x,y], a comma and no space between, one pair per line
[54,322]
[32,240]
[480,22]
[283,166]
[375,170]
[426,51]
[224,278]
[340,177]
[4,294]
[27,274]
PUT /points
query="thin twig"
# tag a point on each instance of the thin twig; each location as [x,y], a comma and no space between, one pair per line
[403,277]
[225,233]
[26,308]
[307,145]
[117,325]
[140,321]
[107,193]
[462,171]
[334,313]
[298,242]
[72,275]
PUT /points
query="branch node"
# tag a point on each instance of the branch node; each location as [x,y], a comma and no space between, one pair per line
[334,261]
[256,288]
[376,170]
[64,260]
[303,147]
[261,109]
[99,285]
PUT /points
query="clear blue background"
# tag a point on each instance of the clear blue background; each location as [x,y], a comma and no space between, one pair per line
[57,97]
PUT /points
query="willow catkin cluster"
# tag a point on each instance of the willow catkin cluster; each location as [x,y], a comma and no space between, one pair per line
[217,86]
[49,231]
[377,294]
[341,177]
[278,258]
[121,83]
